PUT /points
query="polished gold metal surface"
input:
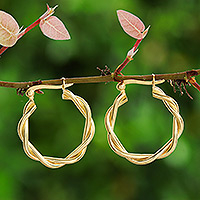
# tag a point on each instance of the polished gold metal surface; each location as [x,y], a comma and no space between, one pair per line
[171,105]
[23,127]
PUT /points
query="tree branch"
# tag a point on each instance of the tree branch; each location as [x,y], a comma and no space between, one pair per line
[172,76]
[181,76]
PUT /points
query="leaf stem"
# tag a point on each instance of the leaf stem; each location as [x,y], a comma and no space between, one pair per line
[48,13]
[137,43]
[128,58]
[194,83]
[2,50]
[29,28]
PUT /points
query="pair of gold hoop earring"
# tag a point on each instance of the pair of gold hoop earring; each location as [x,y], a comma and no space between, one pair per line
[89,128]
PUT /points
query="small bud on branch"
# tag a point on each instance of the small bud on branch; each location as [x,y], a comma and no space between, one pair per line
[194,83]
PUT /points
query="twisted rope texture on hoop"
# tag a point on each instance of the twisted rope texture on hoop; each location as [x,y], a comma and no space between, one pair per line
[165,150]
[23,129]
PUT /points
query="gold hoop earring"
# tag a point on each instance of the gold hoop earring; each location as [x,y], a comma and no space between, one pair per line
[111,114]
[23,127]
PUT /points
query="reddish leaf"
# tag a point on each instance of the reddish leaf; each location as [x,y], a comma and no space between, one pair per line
[131,24]
[53,28]
[9,29]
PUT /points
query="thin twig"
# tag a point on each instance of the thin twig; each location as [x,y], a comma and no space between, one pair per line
[102,79]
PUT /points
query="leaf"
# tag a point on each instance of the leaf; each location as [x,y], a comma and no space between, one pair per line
[9,29]
[131,24]
[53,28]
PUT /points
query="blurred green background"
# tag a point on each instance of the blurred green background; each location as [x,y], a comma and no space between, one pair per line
[143,124]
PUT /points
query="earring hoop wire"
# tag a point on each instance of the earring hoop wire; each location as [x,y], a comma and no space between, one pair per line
[171,105]
[23,127]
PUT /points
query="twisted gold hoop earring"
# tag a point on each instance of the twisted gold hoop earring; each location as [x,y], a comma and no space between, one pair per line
[23,127]
[110,118]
